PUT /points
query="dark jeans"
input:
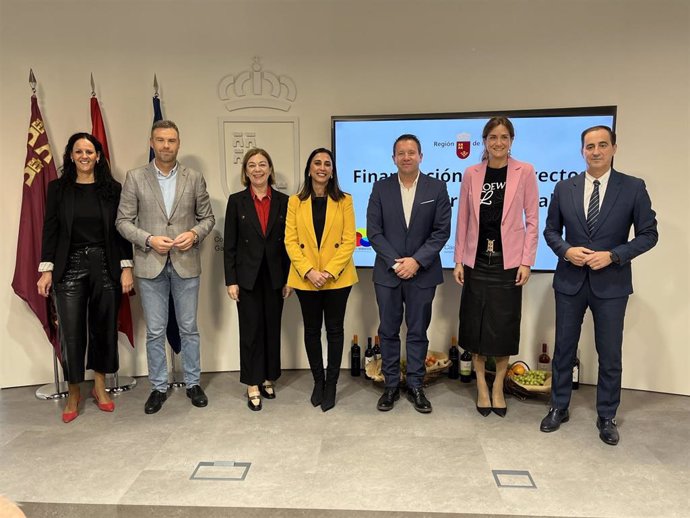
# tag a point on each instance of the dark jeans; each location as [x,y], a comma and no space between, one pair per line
[87,302]
[317,306]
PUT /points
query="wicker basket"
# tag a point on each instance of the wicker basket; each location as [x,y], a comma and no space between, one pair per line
[524,391]
[432,371]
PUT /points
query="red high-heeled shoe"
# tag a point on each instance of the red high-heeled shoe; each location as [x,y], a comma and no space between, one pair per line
[105,407]
[68,417]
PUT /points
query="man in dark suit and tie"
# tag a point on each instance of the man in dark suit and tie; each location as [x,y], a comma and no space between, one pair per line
[597,209]
[408,223]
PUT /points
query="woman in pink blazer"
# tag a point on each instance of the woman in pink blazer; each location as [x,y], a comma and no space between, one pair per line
[495,247]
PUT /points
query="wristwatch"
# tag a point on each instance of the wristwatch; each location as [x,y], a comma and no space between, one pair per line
[614,258]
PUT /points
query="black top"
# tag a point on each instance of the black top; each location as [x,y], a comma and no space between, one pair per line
[87,225]
[491,208]
[318,212]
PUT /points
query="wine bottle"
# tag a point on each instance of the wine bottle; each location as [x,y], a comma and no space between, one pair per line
[454,357]
[576,371]
[544,360]
[466,366]
[355,357]
[368,358]
[377,348]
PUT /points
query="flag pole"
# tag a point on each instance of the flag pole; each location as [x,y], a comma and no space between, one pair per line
[57,389]
[114,383]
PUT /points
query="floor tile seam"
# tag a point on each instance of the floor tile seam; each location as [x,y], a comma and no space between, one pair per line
[372,513]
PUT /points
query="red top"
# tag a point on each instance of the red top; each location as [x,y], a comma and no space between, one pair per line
[263,207]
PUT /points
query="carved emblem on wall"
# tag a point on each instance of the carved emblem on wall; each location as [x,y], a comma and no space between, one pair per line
[257,88]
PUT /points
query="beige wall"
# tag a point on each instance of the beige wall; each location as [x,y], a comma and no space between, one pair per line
[355,57]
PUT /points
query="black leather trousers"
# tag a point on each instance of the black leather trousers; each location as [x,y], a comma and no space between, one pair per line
[87,302]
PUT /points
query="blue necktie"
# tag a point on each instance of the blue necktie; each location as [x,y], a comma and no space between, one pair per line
[593,209]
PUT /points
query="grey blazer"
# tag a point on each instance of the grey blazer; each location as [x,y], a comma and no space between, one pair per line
[142,213]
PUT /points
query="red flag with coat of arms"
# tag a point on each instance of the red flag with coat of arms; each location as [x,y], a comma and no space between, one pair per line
[39,171]
[124,321]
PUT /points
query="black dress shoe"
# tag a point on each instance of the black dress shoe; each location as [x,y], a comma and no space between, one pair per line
[317,393]
[608,432]
[553,419]
[155,401]
[388,399]
[196,394]
[419,400]
[268,391]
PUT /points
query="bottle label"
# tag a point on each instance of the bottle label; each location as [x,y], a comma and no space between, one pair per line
[576,374]
[544,366]
[466,368]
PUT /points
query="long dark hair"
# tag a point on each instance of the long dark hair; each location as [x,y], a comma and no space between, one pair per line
[332,188]
[495,122]
[105,183]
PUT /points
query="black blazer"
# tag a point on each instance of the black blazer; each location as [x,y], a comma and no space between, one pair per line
[57,230]
[245,245]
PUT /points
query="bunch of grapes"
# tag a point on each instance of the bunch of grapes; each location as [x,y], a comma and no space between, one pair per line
[531,378]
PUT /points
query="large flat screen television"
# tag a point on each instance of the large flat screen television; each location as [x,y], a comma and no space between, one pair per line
[549,139]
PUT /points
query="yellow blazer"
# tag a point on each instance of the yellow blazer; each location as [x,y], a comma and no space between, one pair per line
[337,243]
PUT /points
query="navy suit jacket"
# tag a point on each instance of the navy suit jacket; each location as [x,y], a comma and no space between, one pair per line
[626,204]
[426,236]
[245,245]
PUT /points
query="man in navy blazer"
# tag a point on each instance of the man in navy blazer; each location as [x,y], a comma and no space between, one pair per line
[597,209]
[408,223]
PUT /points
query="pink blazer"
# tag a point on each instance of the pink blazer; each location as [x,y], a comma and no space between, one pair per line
[520,222]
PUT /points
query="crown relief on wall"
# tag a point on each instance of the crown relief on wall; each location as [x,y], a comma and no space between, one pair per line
[257,88]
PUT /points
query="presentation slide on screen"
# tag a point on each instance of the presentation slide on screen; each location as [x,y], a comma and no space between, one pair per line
[364,148]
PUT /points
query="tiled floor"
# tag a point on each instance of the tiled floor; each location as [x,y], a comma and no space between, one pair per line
[352,459]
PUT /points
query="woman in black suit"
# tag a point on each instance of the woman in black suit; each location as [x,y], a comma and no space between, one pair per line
[256,270]
[88,263]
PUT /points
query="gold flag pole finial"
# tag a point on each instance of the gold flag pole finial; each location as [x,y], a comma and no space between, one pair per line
[93,87]
[32,80]
[155,86]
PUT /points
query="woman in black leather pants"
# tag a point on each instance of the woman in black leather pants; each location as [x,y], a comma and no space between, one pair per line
[89,264]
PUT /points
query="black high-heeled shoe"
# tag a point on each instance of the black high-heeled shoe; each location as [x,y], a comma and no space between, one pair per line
[484,410]
[317,393]
[328,396]
[500,412]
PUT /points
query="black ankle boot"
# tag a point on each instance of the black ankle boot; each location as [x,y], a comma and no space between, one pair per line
[317,393]
[329,395]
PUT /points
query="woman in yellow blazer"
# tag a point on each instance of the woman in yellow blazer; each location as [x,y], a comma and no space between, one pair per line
[320,240]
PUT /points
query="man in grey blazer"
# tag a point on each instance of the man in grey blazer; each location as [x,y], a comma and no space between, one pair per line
[166,213]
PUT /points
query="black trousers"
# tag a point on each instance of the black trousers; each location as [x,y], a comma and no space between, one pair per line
[260,310]
[87,302]
[317,306]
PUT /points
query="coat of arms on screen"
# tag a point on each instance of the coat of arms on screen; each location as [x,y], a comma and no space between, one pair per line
[462,148]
